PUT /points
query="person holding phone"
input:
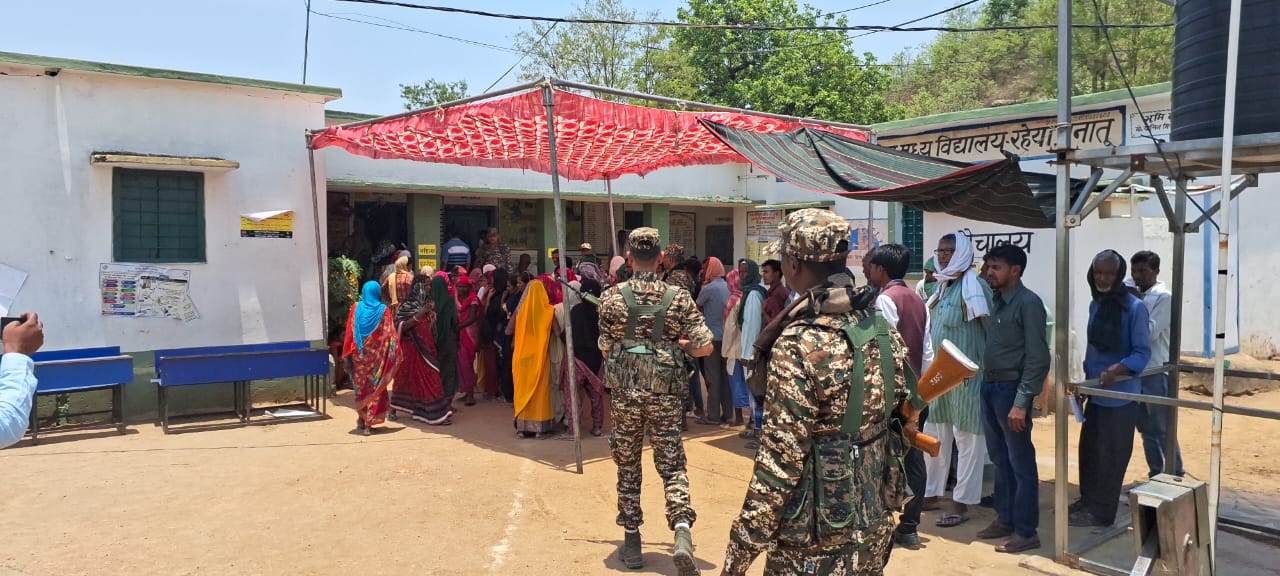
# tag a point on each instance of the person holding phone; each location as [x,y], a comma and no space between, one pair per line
[22,338]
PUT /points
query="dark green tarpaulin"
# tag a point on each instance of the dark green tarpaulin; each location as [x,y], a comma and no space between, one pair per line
[996,192]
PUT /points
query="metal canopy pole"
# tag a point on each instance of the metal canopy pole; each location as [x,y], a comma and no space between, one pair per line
[1178,226]
[1062,295]
[613,225]
[1220,304]
[549,100]
[320,265]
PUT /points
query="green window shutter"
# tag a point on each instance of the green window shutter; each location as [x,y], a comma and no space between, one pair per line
[913,236]
[157,216]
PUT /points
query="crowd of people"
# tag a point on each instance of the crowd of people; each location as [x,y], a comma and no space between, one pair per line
[488,327]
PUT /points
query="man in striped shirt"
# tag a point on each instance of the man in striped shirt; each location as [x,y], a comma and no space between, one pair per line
[456,252]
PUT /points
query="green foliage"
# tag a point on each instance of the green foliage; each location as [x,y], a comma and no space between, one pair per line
[610,55]
[344,290]
[431,92]
[802,73]
[814,74]
[961,71]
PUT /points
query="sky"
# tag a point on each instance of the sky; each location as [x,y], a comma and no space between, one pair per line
[264,39]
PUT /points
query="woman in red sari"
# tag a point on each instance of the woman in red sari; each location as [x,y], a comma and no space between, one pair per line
[418,389]
[468,338]
[372,350]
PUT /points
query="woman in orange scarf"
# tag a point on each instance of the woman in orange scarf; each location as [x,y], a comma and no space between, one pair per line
[533,330]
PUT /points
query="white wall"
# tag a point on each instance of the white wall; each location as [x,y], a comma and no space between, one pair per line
[60,226]
[679,182]
[1259,260]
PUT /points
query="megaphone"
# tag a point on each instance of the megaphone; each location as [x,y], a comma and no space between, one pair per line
[950,368]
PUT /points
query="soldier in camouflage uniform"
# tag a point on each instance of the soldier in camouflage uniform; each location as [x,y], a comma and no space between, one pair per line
[828,474]
[647,330]
[673,263]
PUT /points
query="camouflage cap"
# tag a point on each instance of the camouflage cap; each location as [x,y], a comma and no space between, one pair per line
[645,240]
[812,234]
[674,251]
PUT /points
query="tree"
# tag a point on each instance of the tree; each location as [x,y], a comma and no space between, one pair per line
[431,92]
[610,55]
[801,73]
[961,71]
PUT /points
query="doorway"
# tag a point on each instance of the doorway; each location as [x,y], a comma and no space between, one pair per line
[719,243]
[468,222]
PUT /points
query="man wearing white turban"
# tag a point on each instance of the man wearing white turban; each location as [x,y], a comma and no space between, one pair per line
[958,311]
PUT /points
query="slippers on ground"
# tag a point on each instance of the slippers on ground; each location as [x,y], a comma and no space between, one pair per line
[951,520]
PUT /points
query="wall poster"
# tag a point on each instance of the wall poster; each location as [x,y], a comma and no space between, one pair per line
[142,291]
[596,223]
[269,224]
[762,228]
[519,225]
[684,231]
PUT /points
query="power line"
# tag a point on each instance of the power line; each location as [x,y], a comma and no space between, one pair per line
[841,39]
[523,56]
[1226,188]
[393,25]
[746,27]
[855,8]
[938,13]
[306,41]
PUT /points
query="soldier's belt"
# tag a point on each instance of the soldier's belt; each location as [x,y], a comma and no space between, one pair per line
[640,350]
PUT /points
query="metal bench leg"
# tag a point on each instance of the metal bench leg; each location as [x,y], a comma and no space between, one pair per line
[246,400]
[324,398]
[163,394]
[117,407]
[34,421]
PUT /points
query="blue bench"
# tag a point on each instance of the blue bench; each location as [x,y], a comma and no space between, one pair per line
[239,365]
[83,370]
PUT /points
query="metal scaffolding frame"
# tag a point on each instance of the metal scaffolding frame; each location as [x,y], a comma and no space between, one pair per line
[1179,162]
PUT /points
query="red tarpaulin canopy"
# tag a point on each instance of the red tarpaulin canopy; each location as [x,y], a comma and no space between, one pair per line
[595,139]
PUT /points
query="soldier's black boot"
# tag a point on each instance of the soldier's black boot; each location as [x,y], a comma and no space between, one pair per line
[684,553]
[629,552]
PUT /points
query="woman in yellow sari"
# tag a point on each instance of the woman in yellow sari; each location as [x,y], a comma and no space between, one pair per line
[533,329]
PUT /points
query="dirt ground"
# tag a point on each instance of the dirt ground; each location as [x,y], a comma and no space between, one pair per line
[314,498]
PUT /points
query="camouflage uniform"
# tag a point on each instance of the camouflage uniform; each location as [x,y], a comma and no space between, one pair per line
[647,393]
[678,276]
[821,500]
[499,256]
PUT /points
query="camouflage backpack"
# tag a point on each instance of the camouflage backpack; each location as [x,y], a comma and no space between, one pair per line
[851,483]
[654,364]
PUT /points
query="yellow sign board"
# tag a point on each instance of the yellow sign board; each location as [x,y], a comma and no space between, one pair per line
[426,250]
[277,224]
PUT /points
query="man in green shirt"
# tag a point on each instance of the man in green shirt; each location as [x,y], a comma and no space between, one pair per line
[1015,366]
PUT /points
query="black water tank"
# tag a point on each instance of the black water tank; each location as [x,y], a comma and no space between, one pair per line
[1200,68]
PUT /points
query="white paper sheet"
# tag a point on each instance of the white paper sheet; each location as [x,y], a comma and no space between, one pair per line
[11,281]
[260,216]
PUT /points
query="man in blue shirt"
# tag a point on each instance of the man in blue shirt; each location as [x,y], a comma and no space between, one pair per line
[1119,347]
[456,252]
[17,377]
